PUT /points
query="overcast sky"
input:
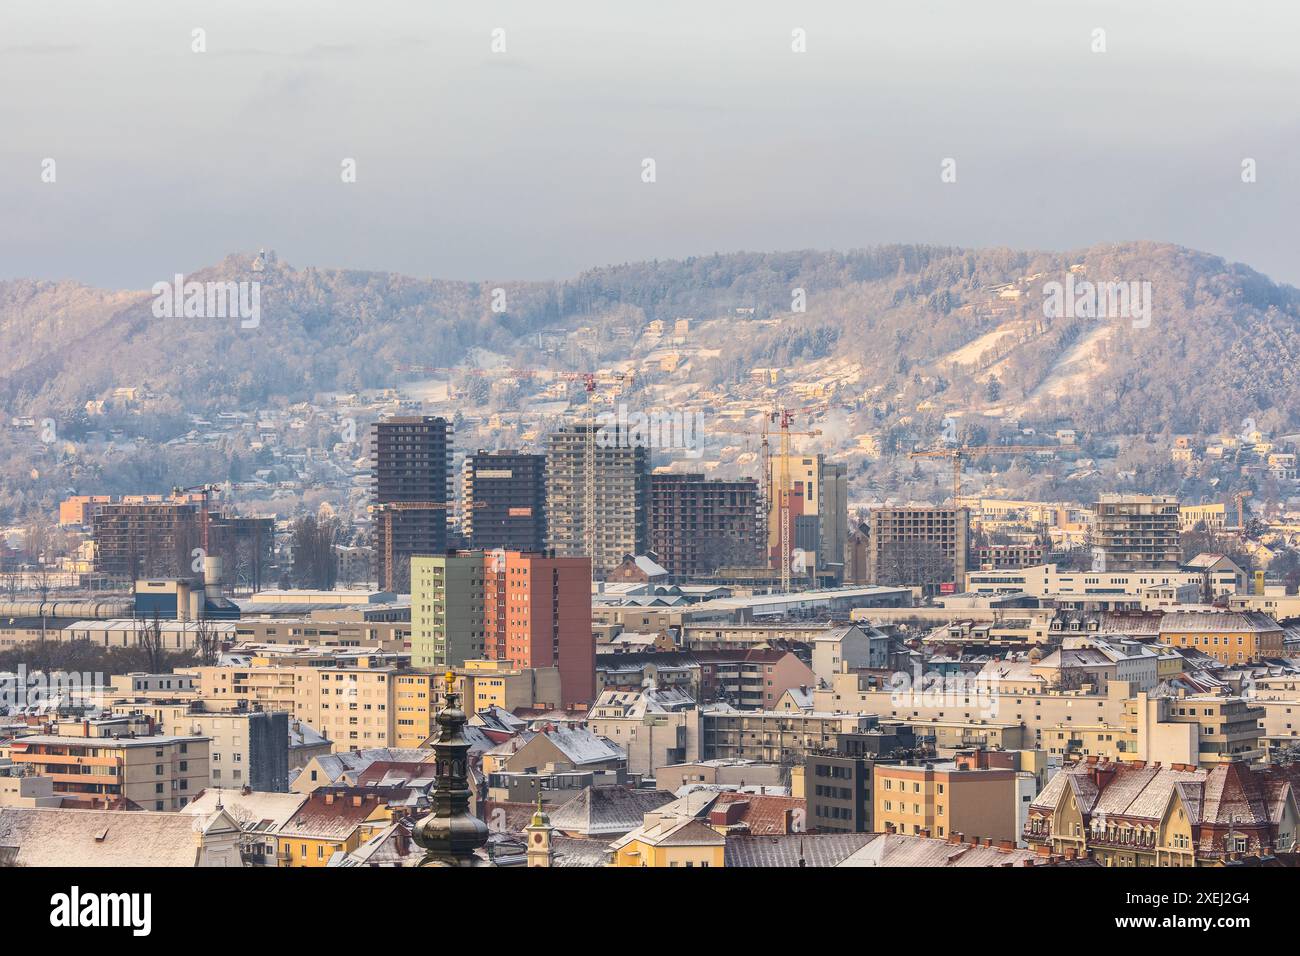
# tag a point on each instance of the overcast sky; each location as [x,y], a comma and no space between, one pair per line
[527,164]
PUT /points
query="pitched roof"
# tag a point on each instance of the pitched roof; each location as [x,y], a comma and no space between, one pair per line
[334,766]
[607,811]
[673,831]
[256,811]
[571,852]
[814,849]
[581,746]
[398,773]
[897,849]
[761,814]
[1199,622]
[391,846]
[332,813]
[40,836]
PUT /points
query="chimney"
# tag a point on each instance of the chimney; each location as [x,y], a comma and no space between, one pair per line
[954,838]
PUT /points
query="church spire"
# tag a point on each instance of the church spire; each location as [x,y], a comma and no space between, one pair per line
[450,834]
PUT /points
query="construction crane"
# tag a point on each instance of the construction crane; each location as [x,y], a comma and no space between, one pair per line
[960,453]
[784,417]
[778,500]
[387,509]
[205,491]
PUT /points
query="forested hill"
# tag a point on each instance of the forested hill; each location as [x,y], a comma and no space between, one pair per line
[964,326]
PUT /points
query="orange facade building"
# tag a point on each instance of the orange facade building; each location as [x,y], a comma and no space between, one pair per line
[537,613]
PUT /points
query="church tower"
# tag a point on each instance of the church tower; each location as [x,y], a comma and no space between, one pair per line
[450,834]
[540,851]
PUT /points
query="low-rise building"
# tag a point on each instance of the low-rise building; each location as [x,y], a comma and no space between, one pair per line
[963,796]
[152,773]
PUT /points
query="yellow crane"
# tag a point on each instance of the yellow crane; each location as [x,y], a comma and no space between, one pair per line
[960,453]
[778,498]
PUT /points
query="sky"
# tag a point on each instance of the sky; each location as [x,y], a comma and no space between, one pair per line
[527,163]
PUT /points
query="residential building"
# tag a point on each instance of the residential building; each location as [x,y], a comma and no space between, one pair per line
[530,611]
[754,679]
[1232,637]
[332,820]
[447,614]
[938,799]
[918,546]
[780,737]
[410,489]
[838,788]
[153,773]
[851,647]
[505,501]
[246,747]
[655,728]
[1135,814]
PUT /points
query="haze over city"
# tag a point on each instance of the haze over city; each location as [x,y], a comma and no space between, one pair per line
[525,164]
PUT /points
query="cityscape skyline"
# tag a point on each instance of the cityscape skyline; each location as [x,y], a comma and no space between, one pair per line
[410,458]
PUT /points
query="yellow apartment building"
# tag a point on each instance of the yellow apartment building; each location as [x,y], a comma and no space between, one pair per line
[945,798]
[1232,637]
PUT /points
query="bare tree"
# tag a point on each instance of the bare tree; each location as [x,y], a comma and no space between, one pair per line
[315,564]
[151,644]
[207,641]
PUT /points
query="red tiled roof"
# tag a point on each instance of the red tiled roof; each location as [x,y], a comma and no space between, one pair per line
[764,814]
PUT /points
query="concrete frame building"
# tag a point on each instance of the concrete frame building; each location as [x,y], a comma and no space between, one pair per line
[698,524]
[918,546]
[1136,532]
[586,469]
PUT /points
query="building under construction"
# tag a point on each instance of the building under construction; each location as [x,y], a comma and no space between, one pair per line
[137,539]
[146,539]
[698,525]
[598,486]
[410,483]
[924,547]
[1136,533]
